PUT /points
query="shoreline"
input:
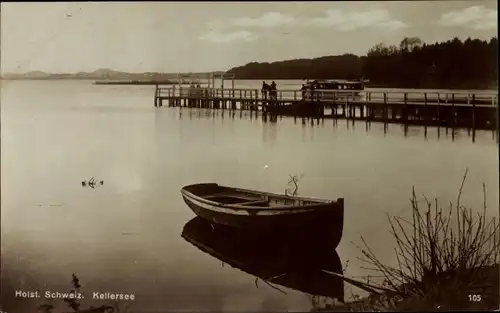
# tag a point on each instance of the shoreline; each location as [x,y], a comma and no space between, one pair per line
[169,82]
[139,82]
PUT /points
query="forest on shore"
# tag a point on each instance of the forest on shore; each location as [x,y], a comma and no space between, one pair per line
[453,64]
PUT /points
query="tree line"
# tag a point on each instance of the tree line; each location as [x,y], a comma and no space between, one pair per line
[469,64]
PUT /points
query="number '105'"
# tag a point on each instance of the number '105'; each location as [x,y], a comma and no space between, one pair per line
[475,298]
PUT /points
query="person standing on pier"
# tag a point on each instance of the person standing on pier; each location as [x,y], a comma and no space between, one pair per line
[272,91]
[304,91]
[313,87]
[265,89]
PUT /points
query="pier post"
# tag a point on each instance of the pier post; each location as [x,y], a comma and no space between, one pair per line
[437,113]
[384,110]
[156,96]
[473,111]
[426,116]
[405,109]
[367,118]
[256,103]
[453,121]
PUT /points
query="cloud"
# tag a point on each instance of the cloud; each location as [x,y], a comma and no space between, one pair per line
[344,21]
[219,37]
[268,20]
[354,20]
[217,28]
[475,17]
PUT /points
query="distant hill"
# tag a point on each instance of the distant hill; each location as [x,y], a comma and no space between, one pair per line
[100,74]
[347,66]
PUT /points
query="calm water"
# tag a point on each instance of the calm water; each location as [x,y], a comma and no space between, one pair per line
[126,235]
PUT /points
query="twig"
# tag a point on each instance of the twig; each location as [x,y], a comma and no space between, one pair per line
[274,287]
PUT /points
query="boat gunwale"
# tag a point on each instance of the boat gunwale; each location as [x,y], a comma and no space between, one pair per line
[290,207]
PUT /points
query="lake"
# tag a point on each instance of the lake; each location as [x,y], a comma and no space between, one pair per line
[125,236]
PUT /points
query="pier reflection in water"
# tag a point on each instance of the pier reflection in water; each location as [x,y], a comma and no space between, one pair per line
[407,130]
[274,261]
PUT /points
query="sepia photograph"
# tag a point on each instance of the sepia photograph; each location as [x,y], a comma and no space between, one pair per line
[320,156]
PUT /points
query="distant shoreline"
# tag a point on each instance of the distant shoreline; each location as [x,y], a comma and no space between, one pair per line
[172,82]
[135,82]
[52,78]
[102,75]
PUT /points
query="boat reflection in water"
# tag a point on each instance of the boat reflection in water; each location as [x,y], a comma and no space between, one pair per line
[293,265]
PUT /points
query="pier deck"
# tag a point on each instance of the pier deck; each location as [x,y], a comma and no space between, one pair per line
[450,109]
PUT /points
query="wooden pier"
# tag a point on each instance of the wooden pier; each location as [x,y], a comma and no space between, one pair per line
[447,109]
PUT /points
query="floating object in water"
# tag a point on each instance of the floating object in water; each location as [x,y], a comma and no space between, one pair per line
[265,166]
[92,183]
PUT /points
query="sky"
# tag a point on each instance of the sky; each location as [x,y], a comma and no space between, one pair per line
[70,37]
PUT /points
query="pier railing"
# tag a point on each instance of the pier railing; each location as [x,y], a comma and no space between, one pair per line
[459,98]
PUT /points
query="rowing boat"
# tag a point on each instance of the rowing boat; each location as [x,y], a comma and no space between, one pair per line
[265,212]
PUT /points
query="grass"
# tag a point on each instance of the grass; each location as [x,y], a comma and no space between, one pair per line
[447,259]
[292,187]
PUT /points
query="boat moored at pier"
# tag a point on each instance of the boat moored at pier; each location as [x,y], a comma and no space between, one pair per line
[333,89]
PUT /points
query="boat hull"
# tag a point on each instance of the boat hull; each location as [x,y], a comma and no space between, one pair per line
[323,221]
